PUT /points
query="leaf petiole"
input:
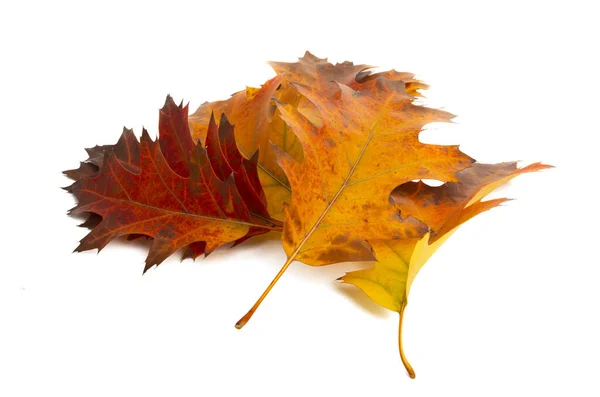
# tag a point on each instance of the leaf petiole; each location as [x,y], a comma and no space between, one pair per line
[242,321]
[407,365]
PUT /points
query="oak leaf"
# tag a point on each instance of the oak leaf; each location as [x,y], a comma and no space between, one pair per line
[330,150]
[191,197]
[366,146]
[258,124]
[443,209]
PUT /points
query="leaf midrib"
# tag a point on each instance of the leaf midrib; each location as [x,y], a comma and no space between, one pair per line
[175,213]
[344,184]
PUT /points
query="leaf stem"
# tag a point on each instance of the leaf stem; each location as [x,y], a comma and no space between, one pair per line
[250,313]
[407,365]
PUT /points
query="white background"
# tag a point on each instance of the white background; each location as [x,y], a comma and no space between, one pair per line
[508,307]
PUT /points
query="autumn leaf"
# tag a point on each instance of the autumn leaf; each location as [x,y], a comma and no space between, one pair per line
[189,198]
[258,124]
[366,146]
[326,154]
[443,209]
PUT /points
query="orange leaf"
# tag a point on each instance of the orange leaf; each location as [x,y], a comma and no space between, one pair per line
[258,124]
[367,145]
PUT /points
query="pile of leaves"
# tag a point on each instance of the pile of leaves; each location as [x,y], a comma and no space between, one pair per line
[327,155]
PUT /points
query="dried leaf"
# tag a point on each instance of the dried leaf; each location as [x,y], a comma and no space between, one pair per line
[258,124]
[367,145]
[198,199]
[331,150]
[443,209]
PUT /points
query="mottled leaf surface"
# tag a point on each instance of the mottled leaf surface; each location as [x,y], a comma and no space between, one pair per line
[367,145]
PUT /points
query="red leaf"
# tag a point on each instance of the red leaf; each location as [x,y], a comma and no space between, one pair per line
[199,198]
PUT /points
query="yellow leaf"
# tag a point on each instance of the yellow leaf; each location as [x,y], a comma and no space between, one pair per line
[443,209]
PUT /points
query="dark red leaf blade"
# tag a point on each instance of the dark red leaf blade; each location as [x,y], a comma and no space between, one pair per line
[174,136]
[201,199]
[227,159]
[157,202]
